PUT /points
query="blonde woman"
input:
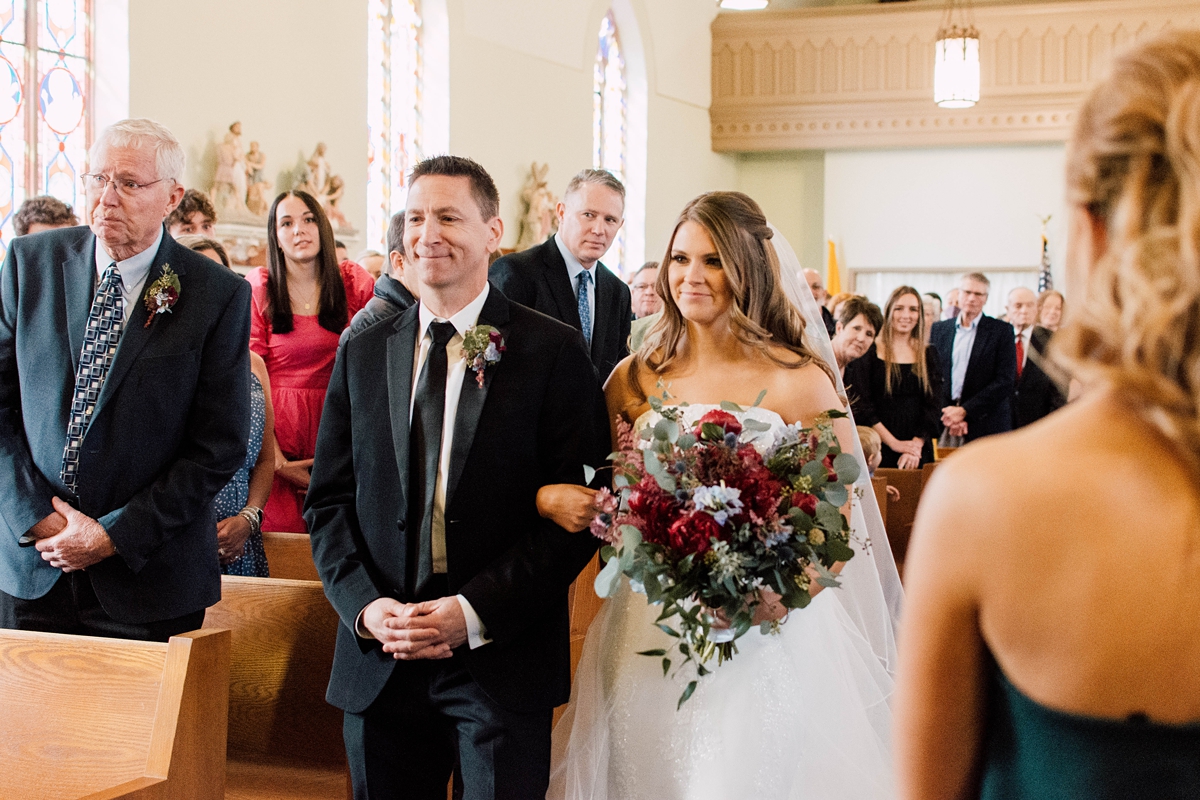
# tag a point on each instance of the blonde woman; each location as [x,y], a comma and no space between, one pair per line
[1050,642]
[1050,306]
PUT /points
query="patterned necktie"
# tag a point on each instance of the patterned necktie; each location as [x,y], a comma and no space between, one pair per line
[585,308]
[425,454]
[100,339]
[1020,355]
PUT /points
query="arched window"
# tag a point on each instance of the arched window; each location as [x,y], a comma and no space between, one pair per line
[45,102]
[394,89]
[609,115]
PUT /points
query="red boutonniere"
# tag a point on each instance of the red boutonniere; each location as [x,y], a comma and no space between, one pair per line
[482,347]
[162,295]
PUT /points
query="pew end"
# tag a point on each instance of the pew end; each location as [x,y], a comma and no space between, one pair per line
[289,556]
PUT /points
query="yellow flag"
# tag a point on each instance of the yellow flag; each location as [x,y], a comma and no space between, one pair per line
[833,280]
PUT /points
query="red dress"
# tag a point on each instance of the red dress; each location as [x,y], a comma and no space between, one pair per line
[299,364]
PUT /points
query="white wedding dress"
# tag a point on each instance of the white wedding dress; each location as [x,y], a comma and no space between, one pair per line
[802,714]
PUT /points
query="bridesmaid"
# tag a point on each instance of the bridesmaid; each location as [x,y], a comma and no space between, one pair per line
[1050,646]
[300,303]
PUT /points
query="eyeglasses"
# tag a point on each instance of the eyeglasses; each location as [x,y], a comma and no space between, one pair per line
[642,287]
[122,186]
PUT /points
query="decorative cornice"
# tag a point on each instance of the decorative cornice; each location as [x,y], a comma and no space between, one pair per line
[862,77]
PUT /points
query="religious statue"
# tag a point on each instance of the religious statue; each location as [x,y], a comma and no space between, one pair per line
[335,188]
[229,182]
[319,167]
[538,220]
[257,186]
[316,178]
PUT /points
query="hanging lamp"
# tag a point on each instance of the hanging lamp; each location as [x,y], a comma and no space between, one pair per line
[956,58]
[743,5]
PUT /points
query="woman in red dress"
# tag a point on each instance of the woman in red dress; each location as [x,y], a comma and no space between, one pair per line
[300,303]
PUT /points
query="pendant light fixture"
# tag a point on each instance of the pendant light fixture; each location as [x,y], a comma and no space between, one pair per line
[743,5]
[956,58]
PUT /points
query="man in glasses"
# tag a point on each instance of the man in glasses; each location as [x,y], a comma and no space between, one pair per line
[124,407]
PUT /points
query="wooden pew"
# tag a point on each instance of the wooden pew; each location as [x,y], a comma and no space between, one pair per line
[879,485]
[289,556]
[86,717]
[285,741]
[900,513]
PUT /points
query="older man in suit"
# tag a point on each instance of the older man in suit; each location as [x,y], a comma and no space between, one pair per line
[977,353]
[124,407]
[563,277]
[1035,394]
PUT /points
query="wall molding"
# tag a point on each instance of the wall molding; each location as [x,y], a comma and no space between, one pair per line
[862,76]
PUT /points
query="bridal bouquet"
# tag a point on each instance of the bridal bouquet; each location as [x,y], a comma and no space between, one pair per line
[703,523]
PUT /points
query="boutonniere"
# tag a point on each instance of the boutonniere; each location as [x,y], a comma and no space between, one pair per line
[482,346]
[162,294]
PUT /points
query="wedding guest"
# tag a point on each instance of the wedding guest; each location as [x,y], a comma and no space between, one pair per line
[897,384]
[395,290]
[371,261]
[300,304]
[563,277]
[872,447]
[1050,307]
[43,213]
[834,304]
[1035,394]
[194,215]
[239,506]
[1048,652]
[817,287]
[341,251]
[979,361]
[933,311]
[645,299]
[855,331]
[952,309]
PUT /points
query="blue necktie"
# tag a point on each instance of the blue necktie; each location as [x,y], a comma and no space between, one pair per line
[585,308]
[100,339]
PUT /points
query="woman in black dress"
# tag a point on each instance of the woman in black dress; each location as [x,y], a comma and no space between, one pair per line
[894,387]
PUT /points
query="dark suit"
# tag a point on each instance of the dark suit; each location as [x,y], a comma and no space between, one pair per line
[538,278]
[531,424]
[390,298]
[1035,395]
[169,429]
[991,372]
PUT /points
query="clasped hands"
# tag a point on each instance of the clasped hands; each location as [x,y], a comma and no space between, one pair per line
[71,540]
[415,631]
[955,420]
[910,452]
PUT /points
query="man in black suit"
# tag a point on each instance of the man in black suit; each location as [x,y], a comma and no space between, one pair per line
[452,590]
[563,277]
[124,407]
[1035,395]
[978,356]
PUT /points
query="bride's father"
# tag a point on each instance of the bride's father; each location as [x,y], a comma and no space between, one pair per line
[451,589]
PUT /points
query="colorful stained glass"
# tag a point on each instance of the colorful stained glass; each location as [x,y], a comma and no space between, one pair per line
[609,103]
[393,109]
[44,103]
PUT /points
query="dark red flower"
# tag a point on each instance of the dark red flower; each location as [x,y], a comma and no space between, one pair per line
[654,507]
[693,533]
[723,419]
[828,462]
[805,502]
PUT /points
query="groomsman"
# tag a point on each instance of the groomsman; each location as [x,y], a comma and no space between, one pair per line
[978,354]
[1035,395]
[124,407]
[563,277]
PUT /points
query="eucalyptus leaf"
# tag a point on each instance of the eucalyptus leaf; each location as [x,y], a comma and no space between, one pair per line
[829,517]
[731,407]
[607,552]
[838,550]
[666,662]
[755,425]
[589,473]
[620,481]
[829,583]
[846,467]
[667,629]
[606,581]
[685,441]
[646,434]
[761,395]
[655,653]
[691,687]
[815,471]
[662,430]
[836,494]
[655,402]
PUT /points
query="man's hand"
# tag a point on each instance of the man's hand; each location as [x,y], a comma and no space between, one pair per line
[952,415]
[80,544]
[46,527]
[959,429]
[403,632]
[570,507]
[445,615]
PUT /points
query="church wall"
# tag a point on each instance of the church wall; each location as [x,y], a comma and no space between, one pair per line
[790,187]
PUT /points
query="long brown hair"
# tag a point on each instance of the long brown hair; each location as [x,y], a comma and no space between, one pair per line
[1134,164]
[760,316]
[332,311]
[916,340]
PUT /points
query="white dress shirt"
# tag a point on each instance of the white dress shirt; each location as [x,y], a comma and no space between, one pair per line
[964,340]
[573,270]
[456,372]
[134,270]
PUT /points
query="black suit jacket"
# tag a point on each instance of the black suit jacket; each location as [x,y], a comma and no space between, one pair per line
[532,423]
[169,429]
[991,372]
[390,298]
[1035,395]
[538,278]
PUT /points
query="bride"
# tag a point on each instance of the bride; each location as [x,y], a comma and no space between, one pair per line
[802,714]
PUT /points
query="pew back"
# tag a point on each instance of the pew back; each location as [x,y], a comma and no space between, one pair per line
[289,556]
[900,513]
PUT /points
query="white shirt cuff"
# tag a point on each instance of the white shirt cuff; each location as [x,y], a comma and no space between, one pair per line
[359,628]
[476,633]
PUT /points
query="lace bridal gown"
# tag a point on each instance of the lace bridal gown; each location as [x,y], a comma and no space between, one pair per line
[801,714]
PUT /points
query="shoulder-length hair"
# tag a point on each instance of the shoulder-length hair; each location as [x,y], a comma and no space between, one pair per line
[916,340]
[332,311]
[761,316]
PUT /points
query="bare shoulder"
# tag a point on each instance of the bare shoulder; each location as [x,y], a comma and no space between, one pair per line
[620,391]
[802,393]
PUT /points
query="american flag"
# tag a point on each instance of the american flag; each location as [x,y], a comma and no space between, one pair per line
[1045,279]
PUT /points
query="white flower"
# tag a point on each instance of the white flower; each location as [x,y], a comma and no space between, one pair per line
[719,501]
[491,355]
[725,562]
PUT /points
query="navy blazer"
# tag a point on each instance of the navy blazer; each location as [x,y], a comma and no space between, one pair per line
[532,423]
[1036,394]
[991,372]
[169,430]
[538,278]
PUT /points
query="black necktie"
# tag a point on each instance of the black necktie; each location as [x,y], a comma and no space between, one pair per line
[424,452]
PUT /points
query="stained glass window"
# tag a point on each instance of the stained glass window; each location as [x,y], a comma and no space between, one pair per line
[45,96]
[393,109]
[609,103]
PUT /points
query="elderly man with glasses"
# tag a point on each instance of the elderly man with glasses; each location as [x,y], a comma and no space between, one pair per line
[124,407]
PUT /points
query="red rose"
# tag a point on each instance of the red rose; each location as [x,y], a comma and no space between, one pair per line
[693,533]
[722,419]
[805,502]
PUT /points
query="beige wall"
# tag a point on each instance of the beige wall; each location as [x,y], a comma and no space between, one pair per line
[790,187]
